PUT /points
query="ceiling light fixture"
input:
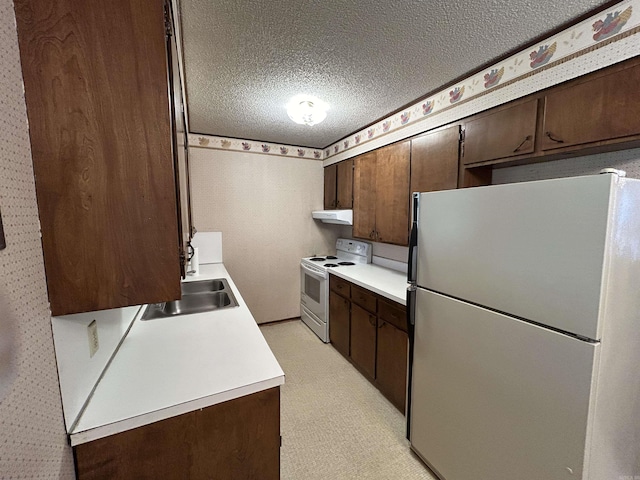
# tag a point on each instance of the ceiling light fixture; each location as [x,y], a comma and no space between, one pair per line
[307,110]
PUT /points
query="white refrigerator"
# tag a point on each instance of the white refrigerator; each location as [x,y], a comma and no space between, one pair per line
[524,319]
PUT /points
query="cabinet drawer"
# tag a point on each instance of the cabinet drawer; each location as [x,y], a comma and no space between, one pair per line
[394,313]
[340,286]
[365,299]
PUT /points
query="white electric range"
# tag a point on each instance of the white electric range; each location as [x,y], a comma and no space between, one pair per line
[314,282]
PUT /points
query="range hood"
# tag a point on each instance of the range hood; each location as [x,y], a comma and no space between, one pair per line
[340,217]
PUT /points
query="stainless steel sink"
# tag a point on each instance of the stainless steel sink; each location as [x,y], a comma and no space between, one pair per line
[204,286]
[197,297]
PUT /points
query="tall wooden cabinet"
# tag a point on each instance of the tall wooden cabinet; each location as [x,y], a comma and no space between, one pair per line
[381,194]
[96,90]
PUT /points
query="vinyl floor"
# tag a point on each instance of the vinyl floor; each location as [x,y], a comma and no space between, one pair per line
[335,424]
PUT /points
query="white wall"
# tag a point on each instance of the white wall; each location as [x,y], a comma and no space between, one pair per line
[262,205]
[33,442]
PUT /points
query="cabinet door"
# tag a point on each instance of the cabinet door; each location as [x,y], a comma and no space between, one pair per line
[392,194]
[340,286]
[434,160]
[595,110]
[363,340]
[237,439]
[95,79]
[364,196]
[344,194]
[391,363]
[330,177]
[339,322]
[505,133]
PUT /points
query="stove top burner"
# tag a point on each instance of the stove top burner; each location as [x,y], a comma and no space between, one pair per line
[317,259]
[331,257]
[330,265]
[346,263]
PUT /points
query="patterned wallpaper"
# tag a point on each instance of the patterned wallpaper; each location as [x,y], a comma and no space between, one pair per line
[263,207]
[590,42]
[33,441]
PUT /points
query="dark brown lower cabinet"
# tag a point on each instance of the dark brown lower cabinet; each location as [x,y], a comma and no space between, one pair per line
[374,338]
[363,340]
[391,363]
[231,440]
[339,322]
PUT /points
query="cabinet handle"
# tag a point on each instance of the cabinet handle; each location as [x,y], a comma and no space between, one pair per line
[382,324]
[338,204]
[372,321]
[378,238]
[371,235]
[522,144]
[551,137]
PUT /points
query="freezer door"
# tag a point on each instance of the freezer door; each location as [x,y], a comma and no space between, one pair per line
[497,398]
[535,250]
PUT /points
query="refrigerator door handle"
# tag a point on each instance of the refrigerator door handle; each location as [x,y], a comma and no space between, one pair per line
[413,240]
[411,307]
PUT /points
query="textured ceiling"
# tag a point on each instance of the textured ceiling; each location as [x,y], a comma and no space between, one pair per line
[244,59]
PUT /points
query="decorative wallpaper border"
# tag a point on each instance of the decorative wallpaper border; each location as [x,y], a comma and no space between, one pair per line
[265,148]
[617,23]
[599,30]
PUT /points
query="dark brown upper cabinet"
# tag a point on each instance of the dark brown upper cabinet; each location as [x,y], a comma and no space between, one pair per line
[601,107]
[338,185]
[364,196]
[95,77]
[502,133]
[344,194]
[434,160]
[381,194]
[330,186]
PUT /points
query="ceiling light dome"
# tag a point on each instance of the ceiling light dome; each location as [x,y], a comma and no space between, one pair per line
[307,110]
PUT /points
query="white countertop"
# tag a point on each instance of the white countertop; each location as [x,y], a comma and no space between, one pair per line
[383,281]
[170,366]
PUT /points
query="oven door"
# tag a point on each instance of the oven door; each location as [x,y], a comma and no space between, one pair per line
[313,291]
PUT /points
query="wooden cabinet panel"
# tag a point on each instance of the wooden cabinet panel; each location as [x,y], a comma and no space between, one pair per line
[434,160]
[363,340]
[340,286]
[95,78]
[503,133]
[344,192]
[339,329]
[392,194]
[364,298]
[598,109]
[391,363]
[393,313]
[235,439]
[330,185]
[364,196]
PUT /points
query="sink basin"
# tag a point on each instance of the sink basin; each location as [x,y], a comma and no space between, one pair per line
[197,297]
[204,286]
[197,303]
